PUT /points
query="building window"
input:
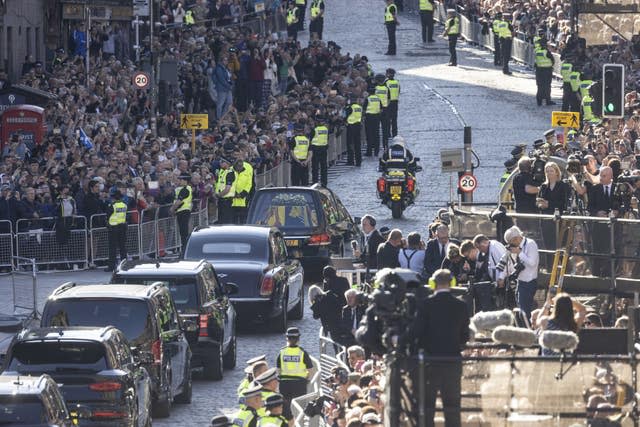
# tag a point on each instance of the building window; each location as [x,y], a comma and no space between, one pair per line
[29,43]
[37,44]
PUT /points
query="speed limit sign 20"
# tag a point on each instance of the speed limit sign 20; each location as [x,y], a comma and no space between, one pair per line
[141,80]
[467,183]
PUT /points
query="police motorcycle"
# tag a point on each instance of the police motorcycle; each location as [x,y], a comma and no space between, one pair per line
[397,187]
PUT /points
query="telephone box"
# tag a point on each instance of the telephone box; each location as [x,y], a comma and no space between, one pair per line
[26,120]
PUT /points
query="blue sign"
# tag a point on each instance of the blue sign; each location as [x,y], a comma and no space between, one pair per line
[11,99]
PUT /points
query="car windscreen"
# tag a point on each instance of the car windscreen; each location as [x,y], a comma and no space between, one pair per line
[57,356]
[21,410]
[130,316]
[184,291]
[227,248]
[287,210]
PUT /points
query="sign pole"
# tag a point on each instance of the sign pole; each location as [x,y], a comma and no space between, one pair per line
[193,141]
[467,197]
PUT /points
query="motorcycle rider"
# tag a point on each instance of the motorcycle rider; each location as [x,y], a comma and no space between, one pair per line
[398,156]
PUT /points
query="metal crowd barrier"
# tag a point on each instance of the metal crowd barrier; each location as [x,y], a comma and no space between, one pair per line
[24,286]
[6,243]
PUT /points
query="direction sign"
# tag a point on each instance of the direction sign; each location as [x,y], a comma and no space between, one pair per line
[565,119]
[194,121]
[141,80]
[467,183]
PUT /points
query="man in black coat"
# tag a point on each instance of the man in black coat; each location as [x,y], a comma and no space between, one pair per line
[388,252]
[442,330]
[369,247]
[351,315]
[436,250]
[327,307]
[602,202]
[335,284]
[93,205]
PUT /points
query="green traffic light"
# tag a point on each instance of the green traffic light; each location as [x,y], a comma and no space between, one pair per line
[610,107]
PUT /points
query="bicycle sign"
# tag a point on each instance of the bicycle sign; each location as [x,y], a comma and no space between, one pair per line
[141,80]
[467,183]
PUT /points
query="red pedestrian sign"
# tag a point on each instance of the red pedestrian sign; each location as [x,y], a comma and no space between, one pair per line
[467,183]
[141,80]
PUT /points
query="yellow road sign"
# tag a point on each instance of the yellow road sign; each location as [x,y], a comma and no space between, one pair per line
[565,119]
[194,121]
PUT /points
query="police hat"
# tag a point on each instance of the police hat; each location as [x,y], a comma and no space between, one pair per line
[262,357]
[267,376]
[451,11]
[549,133]
[293,332]
[540,31]
[185,177]
[511,163]
[499,15]
[391,72]
[224,160]
[221,421]
[517,151]
[538,143]
[117,195]
[252,391]
[274,400]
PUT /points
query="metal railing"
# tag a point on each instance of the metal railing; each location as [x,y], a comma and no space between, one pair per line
[6,243]
[24,286]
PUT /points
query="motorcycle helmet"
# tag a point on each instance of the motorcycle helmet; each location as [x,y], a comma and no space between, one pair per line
[398,140]
[379,78]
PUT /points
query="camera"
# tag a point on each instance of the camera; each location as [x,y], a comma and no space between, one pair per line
[517,269]
[537,167]
[575,162]
[315,407]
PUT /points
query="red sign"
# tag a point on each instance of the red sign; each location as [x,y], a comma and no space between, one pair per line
[467,183]
[25,120]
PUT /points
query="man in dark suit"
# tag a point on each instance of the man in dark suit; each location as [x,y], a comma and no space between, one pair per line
[372,239]
[602,202]
[442,330]
[436,250]
[332,283]
[351,315]
[388,252]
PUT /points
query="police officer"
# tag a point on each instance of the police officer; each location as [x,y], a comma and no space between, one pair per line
[302,11]
[372,109]
[225,191]
[319,148]
[452,31]
[585,83]
[509,165]
[300,156]
[248,379]
[189,18]
[270,386]
[317,18]
[544,73]
[495,28]
[273,408]
[353,111]
[549,138]
[244,185]
[538,38]
[295,367]
[221,421]
[394,95]
[587,108]
[117,214]
[383,93]
[391,22]
[248,416]
[182,206]
[293,19]
[426,20]
[398,156]
[565,72]
[506,38]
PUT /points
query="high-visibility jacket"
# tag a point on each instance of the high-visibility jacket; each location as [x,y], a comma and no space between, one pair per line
[565,71]
[495,26]
[301,2]
[426,5]
[542,60]
[292,363]
[503,30]
[452,26]
[587,112]
[536,42]
[222,183]
[394,89]
[244,183]
[321,136]
[276,420]
[356,114]
[574,80]
[119,215]
[584,87]
[188,18]
[243,386]
[505,176]
[243,417]
[374,105]
[389,12]
[383,93]
[315,9]
[301,150]
[292,16]
[187,203]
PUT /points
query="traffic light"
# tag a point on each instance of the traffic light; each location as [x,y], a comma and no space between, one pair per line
[613,91]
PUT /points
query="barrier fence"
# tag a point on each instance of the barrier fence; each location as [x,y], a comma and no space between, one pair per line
[6,243]
[24,287]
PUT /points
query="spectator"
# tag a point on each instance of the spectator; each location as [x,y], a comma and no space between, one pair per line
[412,257]
[224,87]
[387,254]
[568,315]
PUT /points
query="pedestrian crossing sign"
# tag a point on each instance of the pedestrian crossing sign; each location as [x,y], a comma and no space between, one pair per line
[565,119]
[194,121]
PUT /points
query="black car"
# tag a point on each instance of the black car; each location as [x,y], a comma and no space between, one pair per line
[270,284]
[314,222]
[149,320]
[200,297]
[93,367]
[32,401]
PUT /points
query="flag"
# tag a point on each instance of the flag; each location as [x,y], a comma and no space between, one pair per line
[85,140]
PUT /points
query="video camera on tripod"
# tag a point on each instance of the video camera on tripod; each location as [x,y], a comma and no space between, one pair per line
[624,190]
[539,160]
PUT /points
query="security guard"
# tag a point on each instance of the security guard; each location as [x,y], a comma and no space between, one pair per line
[300,156]
[394,95]
[544,73]
[495,28]
[117,214]
[316,24]
[248,416]
[506,39]
[244,185]
[295,367]
[353,111]
[391,22]
[225,191]
[372,109]
[182,206]
[248,379]
[270,383]
[452,31]
[221,421]
[383,93]
[273,408]
[293,19]
[302,10]
[426,20]
[319,148]
[574,96]
[565,72]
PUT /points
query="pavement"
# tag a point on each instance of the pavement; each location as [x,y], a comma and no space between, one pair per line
[501,111]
